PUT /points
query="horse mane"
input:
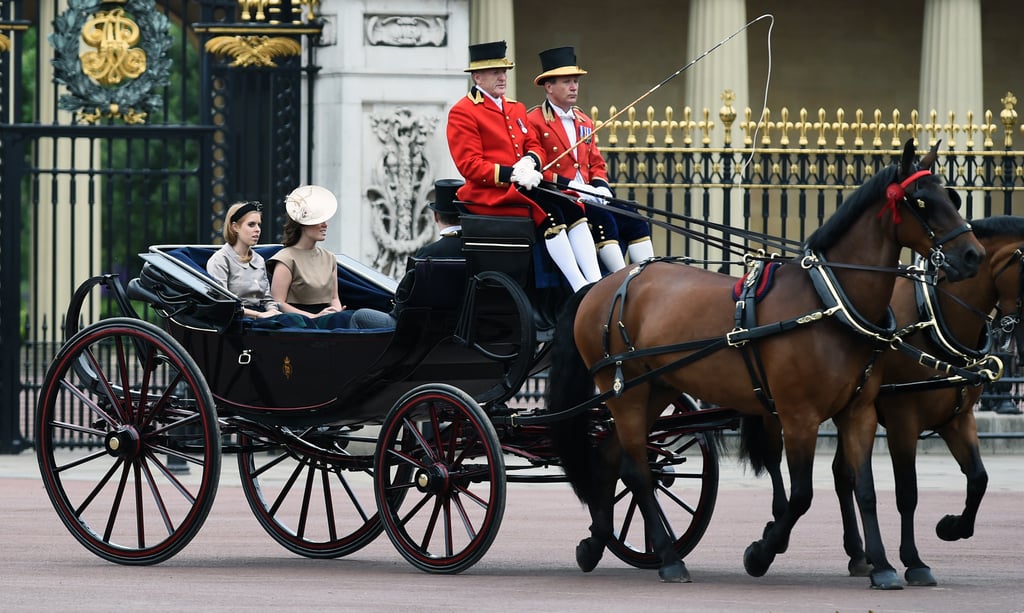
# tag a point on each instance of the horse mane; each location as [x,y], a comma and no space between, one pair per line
[851,208]
[1000,225]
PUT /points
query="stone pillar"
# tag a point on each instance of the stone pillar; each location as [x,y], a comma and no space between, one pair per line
[391,72]
[491,20]
[951,75]
[724,69]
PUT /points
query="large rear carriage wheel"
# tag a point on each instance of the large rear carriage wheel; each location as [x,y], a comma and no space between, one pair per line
[440,479]
[312,488]
[127,441]
[684,466]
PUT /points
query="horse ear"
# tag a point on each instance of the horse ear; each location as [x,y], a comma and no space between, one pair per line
[907,160]
[928,160]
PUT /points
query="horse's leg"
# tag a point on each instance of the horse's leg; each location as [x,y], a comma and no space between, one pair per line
[962,440]
[800,444]
[857,427]
[761,446]
[903,451]
[590,550]
[858,564]
[633,428]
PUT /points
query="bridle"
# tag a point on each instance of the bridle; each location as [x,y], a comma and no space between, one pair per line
[1009,324]
[915,201]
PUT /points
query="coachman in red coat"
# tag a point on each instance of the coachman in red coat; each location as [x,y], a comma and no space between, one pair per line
[562,126]
[499,155]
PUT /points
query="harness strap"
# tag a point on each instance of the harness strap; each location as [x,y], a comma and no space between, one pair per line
[746,318]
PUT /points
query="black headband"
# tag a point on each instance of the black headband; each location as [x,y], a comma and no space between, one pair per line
[252,206]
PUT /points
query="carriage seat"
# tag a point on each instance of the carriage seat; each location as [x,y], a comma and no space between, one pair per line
[356,286]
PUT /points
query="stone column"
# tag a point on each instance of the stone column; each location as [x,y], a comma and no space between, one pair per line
[491,20]
[391,72]
[724,69]
[951,75]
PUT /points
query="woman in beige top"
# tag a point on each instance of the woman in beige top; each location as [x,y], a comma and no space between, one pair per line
[305,276]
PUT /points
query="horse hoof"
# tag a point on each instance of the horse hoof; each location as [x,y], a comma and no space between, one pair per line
[674,573]
[949,529]
[588,555]
[755,560]
[922,577]
[885,580]
[860,568]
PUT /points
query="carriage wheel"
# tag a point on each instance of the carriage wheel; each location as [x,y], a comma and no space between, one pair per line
[440,479]
[318,504]
[127,441]
[684,466]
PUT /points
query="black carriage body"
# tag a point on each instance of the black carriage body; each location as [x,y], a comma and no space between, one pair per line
[312,377]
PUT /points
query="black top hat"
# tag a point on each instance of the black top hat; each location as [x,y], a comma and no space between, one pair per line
[558,62]
[444,196]
[488,55]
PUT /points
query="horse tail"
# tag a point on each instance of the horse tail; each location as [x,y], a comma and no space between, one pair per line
[569,384]
[755,448]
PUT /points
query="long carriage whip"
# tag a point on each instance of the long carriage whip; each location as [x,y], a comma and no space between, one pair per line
[675,74]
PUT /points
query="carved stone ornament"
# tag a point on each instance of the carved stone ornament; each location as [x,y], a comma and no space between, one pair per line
[127,66]
[406,30]
[399,186]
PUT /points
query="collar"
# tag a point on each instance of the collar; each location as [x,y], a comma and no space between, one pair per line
[478,95]
[451,231]
[551,112]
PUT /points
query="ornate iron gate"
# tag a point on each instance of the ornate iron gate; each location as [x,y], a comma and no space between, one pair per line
[123,124]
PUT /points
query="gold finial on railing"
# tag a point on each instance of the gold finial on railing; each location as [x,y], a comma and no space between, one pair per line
[951,130]
[765,125]
[969,129]
[706,126]
[1009,117]
[649,124]
[727,114]
[858,128]
[987,130]
[840,127]
[932,127]
[687,124]
[896,128]
[631,125]
[876,128]
[822,126]
[803,125]
[748,125]
[669,124]
[784,125]
[914,127]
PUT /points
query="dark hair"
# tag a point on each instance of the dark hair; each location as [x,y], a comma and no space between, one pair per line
[450,219]
[291,233]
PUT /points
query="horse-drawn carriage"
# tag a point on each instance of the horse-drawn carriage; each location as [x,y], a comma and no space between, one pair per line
[339,434]
[343,434]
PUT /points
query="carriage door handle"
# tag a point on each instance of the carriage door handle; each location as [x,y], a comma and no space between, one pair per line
[245,357]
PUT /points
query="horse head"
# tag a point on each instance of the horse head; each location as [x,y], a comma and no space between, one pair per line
[941,234]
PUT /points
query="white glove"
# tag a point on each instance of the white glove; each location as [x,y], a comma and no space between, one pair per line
[525,176]
[525,163]
[583,189]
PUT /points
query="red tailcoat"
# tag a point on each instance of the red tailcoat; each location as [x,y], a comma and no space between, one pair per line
[586,157]
[485,142]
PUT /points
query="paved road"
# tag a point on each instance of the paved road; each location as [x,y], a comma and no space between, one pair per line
[233,566]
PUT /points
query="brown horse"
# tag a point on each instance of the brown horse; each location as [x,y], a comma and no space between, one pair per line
[960,334]
[650,332]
